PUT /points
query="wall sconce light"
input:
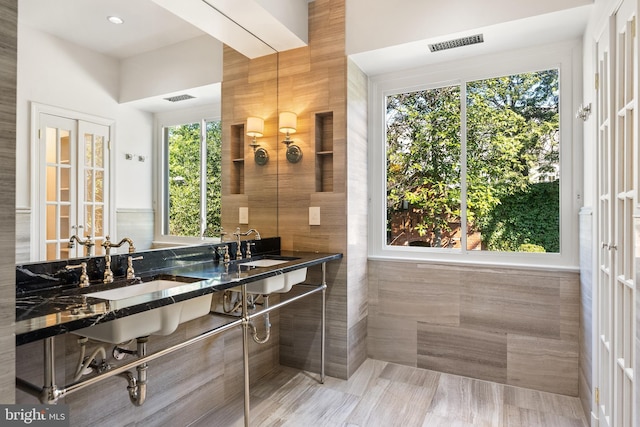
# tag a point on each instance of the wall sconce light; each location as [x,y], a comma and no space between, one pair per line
[255,129]
[288,124]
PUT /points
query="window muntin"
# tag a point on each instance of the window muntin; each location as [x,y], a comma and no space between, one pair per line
[192,206]
[503,195]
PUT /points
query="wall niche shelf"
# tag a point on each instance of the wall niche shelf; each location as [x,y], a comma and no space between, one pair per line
[237,158]
[324,151]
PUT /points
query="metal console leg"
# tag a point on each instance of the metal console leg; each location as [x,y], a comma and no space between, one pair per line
[322,330]
[245,355]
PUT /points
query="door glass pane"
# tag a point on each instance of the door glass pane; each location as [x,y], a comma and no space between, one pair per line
[88,189]
[99,152]
[51,143]
[65,226]
[65,182]
[51,222]
[99,221]
[52,184]
[88,220]
[99,189]
[65,147]
[98,249]
[52,252]
[88,150]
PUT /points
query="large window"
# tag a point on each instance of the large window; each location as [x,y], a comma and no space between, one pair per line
[480,168]
[508,181]
[192,179]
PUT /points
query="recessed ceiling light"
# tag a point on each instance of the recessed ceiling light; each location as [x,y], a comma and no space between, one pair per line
[115,19]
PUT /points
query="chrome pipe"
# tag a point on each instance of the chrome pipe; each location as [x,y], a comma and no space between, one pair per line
[73,387]
[50,392]
[286,302]
[245,355]
[322,328]
[29,388]
[137,388]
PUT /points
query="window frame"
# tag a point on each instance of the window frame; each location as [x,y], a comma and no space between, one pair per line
[162,121]
[566,57]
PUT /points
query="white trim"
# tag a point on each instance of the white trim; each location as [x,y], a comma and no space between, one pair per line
[34,126]
[562,56]
[162,120]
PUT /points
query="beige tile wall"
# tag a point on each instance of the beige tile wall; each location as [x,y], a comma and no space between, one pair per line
[509,325]
[315,80]
[8,54]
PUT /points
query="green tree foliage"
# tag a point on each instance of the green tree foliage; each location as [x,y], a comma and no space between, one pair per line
[184,178]
[512,127]
[423,156]
[526,221]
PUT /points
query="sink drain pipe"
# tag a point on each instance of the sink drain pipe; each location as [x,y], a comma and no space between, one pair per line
[267,324]
[138,386]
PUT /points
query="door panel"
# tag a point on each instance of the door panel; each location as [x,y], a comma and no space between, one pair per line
[74,185]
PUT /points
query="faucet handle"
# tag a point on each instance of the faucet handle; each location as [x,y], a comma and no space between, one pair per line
[130,273]
[248,251]
[84,279]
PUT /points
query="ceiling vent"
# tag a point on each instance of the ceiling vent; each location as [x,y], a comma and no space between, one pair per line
[178,98]
[450,44]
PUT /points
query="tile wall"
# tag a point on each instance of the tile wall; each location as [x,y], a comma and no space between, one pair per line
[8,63]
[508,325]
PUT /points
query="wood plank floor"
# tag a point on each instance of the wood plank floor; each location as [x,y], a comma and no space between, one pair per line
[387,394]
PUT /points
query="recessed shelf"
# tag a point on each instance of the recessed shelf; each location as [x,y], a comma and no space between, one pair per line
[324,151]
[237,158]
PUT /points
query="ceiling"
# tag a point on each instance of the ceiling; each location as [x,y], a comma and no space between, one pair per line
[148,26]
[511,35]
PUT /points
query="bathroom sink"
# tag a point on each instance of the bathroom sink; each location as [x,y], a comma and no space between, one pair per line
[158,321]
[279,283]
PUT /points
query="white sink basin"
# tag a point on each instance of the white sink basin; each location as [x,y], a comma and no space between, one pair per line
[158,321]
[280,283]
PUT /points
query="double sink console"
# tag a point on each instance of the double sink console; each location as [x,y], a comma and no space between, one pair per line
[169,287]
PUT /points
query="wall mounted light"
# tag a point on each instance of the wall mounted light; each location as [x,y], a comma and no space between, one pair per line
[288,125]
[255,129]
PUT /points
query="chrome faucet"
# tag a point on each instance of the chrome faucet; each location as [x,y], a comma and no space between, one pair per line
[88,244]
[238,234]
[107,245]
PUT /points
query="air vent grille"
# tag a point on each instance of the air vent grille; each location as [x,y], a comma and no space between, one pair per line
[178,98]
[450,44]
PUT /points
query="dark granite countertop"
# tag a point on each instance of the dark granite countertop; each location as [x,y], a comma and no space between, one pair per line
[48,312]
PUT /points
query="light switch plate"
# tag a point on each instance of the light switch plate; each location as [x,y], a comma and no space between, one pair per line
[243,215]
[314,215]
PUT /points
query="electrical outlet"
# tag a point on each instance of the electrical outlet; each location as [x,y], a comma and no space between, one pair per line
[243,215]
[314,215]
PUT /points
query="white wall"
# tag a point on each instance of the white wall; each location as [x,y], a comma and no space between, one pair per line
[171,69]
[371,23]
[54,72]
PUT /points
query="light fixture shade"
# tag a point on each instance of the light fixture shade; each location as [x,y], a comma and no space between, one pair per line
[288,122]
[255,126]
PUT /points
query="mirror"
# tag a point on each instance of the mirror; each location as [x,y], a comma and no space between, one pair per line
[71,59]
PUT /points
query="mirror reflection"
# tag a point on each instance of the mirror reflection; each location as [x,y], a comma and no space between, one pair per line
[138,128]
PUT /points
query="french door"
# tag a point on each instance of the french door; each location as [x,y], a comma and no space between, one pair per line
[73,185]
[617,147]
